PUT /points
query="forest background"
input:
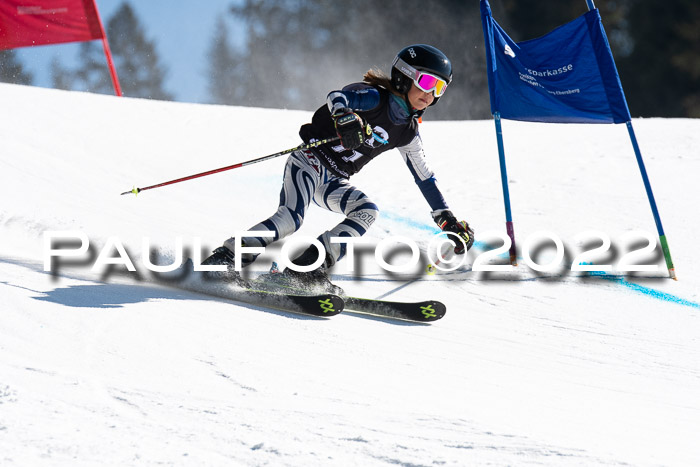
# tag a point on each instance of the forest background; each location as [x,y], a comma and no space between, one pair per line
[290,53]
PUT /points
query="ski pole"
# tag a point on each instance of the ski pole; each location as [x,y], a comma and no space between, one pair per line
[136,191]
[431,268]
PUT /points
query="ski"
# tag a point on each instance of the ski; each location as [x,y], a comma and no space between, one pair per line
[315,304]
[425,311]
[324,305]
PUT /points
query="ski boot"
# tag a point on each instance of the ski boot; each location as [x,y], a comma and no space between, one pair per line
[223,256]
[316,281]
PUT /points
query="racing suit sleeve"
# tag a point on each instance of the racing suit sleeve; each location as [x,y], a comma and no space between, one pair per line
[355,97]
[424,177]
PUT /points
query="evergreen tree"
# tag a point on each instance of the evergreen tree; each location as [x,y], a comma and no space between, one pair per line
[272,66]
[299,50]
[136,60]
[135,57]
[661,75]
[61,77]
[687,59]
[655,45]
[91,76]
[224,70]
[11,70]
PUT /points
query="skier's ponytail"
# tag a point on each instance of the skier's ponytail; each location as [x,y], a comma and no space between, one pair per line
[377,77]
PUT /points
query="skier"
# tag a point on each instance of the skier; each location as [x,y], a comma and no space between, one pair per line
[369,118]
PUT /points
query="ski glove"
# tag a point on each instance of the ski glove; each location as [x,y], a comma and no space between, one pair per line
[350,129]
[449,223]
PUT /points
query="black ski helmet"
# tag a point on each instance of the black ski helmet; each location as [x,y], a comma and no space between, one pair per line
[421,57]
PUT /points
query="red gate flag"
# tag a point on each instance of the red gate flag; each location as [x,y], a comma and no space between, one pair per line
[26,23]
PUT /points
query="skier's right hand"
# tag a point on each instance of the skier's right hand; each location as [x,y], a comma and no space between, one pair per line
[449,223]
[350,129]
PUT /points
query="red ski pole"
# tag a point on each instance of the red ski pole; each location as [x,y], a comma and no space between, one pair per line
[136,191]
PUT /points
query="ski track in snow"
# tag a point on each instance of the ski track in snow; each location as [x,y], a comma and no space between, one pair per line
[525,369]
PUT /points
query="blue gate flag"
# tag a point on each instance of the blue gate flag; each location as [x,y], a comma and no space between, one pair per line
[565,76]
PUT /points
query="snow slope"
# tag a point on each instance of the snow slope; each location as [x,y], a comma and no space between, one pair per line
[110,368]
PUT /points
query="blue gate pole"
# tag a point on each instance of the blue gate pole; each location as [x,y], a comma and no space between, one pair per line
[650,194]
[504,184]
[652,202]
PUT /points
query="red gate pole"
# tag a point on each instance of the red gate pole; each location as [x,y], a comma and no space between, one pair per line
[108,54]
[110,63]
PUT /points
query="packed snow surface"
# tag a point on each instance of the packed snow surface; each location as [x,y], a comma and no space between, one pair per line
[107,367]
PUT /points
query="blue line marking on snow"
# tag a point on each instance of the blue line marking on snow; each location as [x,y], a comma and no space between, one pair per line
[410,223]
[648,291]
[424,227]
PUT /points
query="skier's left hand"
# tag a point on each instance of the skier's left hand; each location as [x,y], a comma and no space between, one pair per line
[449,223]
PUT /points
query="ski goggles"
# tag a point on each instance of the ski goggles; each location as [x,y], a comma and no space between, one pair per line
[423,80]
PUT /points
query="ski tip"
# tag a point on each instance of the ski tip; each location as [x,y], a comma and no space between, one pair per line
[418,312]
[331,305]
[432,310]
